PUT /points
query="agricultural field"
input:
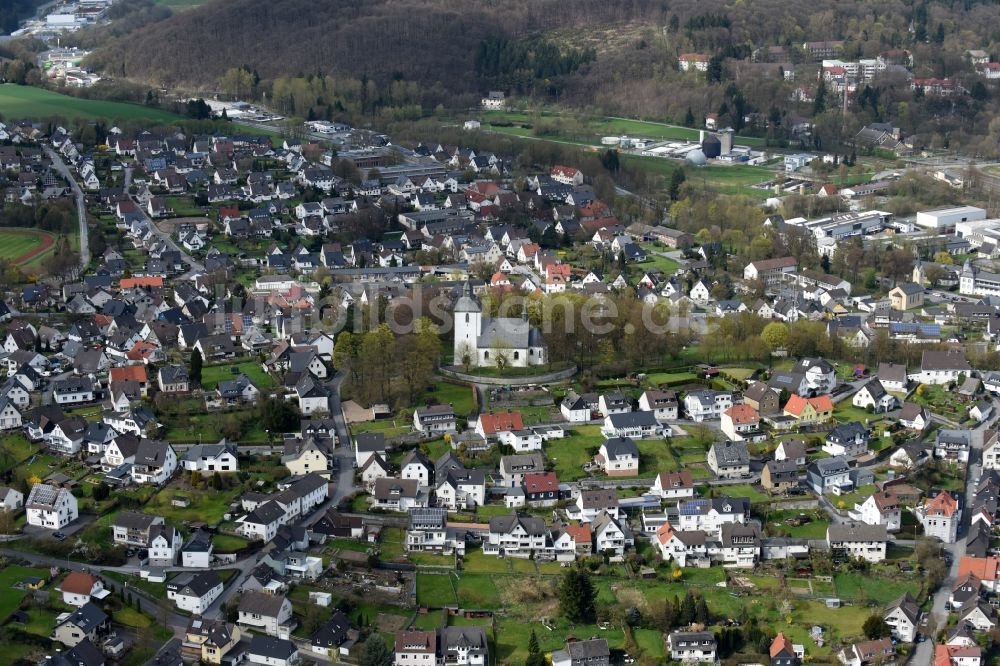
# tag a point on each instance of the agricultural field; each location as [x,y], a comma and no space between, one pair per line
[29,102]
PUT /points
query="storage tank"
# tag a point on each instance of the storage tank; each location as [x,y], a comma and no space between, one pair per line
[696,157]
[711,146]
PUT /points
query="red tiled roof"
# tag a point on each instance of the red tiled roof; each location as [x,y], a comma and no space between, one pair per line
[501,421]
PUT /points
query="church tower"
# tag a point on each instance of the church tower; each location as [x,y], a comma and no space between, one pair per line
[468,326]
[967,279]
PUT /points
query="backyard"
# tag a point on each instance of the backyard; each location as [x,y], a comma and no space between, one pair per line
[211,375]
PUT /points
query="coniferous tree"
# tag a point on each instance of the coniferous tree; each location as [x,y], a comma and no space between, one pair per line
[576,597]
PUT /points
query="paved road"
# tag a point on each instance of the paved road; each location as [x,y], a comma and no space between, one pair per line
[195,266]
[344,452]
[149,606]
[924,654]
[81,204]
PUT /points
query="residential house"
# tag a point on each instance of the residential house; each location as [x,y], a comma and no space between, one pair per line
[741,423]
[269,613]
[210,640]
[903,618]
[86,623]
[634,425]
[940,515]
[952,445]
[762,398]
[791,449]
[155,462]
[434,419]
[195,592]
[893,376]
[78,588]
[881,508]
[780,476]
[829,475]
[692,646]
[399,495]
[874,395]
[729,460]
[914,417]
[211,458]
[50,507]
[272,651]
[849,440]
[673,485]
[858,540]
[809,410]
[662,404]
[618,456]
[941,367]
[592,652]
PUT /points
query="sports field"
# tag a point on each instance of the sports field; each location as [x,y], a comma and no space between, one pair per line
[29,102]
[22,246]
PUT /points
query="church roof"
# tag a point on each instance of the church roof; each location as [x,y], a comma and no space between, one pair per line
[508,332]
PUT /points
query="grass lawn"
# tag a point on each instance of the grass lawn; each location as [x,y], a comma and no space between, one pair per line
[477,591]
[669,378]
[388,427]
[459,396]
[475,561]
[206,506]
[879,589]
[435,590]
[229,543]
[734,179]
[211,375]
[845,412]
[858,496]
[569,454]
[17,447]
[742,490]
[204,427]
[9,597]
[41,622]
[655,262]
[130,617]
[427,559]
[655,456]
[354,545]
[184,207]
[29,102]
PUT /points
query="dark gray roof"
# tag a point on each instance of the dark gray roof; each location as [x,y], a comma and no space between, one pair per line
[333,632]
[134,520]
[272,647]
[621,446]
[857,532]
[198,584]
[265,605]
[87,616]
[633,420]
[731,453]
[533,525]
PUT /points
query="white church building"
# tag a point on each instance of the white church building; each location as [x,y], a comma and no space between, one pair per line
[481,341]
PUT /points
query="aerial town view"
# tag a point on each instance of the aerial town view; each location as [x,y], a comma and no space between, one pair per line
[417,333]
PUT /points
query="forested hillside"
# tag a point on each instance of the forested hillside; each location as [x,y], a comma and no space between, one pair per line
[431,42]
[401,59]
